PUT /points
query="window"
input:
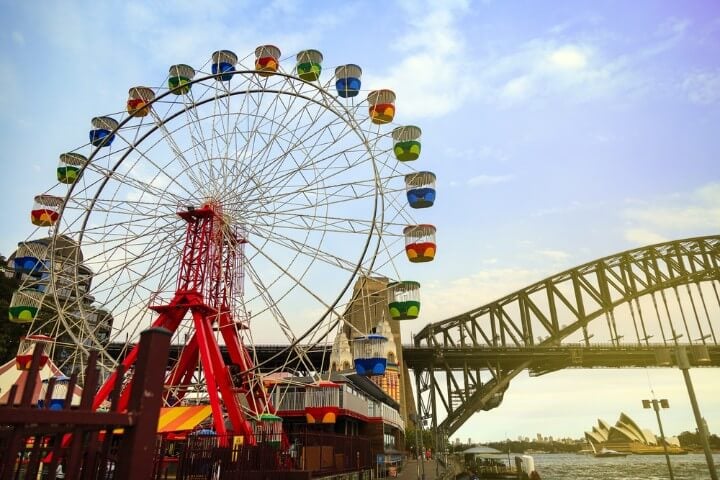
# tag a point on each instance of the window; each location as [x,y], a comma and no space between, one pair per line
[389,440]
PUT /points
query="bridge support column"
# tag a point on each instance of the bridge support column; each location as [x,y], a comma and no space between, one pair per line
[420,421]
[684,364]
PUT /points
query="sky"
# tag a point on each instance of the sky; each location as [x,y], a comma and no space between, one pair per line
[560,132]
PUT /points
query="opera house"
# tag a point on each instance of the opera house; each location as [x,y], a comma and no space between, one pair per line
[627,437]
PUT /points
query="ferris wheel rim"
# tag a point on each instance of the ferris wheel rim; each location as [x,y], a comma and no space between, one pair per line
[342,113]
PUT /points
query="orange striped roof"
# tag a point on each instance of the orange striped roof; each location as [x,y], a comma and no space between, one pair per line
[178,419]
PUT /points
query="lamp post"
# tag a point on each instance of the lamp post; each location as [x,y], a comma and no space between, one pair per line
[420,457]
[656,404]
[414,419]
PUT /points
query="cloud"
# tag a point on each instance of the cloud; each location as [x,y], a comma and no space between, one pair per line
[686,214]
[488,180]
[547,67]
[518,88]
[431,42]
[569,57]
[674,26]
[481,152]
[442,300]
[566,208]
[18,38]
[9,83]
[641,236]
[703,88]
[581,67]
[667,36]
[576,67]
[554,254]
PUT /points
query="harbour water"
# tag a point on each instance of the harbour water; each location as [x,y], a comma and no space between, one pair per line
[632,467]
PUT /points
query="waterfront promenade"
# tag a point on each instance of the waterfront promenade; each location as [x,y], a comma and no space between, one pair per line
[431,469]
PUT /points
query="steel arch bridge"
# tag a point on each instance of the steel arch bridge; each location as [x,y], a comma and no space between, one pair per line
[628,309]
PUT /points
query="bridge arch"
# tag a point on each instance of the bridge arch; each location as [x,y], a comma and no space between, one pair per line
[650,298]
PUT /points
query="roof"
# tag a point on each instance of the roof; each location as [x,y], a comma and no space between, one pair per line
[360,382]
[368,386]
[178,419]
[482,450]
[10,375]
[307,380]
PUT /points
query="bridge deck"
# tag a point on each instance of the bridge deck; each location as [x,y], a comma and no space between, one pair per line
[544,358]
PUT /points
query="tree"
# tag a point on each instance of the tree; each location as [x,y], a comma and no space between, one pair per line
[10,332]
[691,440]
[426,441]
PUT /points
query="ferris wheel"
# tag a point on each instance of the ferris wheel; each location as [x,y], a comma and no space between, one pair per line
[235,204]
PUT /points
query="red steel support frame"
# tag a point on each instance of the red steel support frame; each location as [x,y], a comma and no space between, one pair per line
[209,281]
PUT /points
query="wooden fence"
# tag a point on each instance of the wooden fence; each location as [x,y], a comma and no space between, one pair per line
[79,443]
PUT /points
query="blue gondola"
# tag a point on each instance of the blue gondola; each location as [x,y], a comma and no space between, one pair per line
[102,133]
[223,61]
[420,189]
[348,80]
[369,354]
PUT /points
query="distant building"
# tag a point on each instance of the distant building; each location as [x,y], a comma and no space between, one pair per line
[627,436]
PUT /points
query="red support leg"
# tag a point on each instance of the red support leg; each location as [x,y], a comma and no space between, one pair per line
[204,339]
[185,366]
[223,382]
[209,282]
[168,321]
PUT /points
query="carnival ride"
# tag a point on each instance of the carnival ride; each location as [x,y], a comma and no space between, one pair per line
[233,203]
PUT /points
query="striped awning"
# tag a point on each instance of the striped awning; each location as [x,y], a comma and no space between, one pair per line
[180,419]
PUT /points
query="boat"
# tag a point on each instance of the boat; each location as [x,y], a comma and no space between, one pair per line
[607,453]
[485,463]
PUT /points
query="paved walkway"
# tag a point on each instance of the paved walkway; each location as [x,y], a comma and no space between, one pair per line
[410,470]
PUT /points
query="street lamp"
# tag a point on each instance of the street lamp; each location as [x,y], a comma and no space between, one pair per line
[656,404]
[418,436]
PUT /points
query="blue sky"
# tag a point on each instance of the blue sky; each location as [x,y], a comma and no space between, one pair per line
[560,132]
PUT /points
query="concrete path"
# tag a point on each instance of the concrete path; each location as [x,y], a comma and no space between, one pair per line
[410,470]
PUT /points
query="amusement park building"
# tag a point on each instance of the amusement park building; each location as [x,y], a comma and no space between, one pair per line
[367,311]
[626,436]
[347,404]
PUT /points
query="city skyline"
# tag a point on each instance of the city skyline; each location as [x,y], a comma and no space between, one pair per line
[559,134]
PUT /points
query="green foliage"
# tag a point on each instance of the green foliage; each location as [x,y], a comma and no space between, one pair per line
[426,440]
[549,447]
[691,440]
